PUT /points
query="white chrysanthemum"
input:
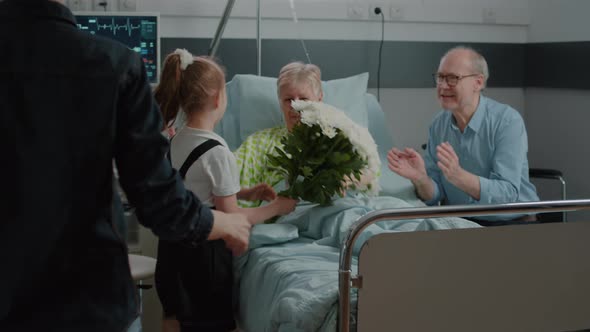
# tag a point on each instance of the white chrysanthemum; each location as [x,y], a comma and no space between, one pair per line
[329,131]
[329,119]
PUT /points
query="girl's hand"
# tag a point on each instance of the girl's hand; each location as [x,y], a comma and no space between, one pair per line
[171,132]
[260,192]
[285,205]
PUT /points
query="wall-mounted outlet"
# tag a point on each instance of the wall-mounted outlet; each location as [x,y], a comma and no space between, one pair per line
[78,5]
[396,12]
[489,15]
[376,9]
[127,5]
[104,5]
[356,11]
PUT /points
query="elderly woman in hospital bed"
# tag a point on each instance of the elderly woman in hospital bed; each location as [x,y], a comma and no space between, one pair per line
[296,81]
[287,281]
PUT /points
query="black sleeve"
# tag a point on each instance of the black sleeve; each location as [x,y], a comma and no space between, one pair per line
[155,189]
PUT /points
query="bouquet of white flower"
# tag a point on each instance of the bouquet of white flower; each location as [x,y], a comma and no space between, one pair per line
[325,153]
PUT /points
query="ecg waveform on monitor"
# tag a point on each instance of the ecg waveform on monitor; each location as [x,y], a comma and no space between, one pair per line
[114,27]
[139,33]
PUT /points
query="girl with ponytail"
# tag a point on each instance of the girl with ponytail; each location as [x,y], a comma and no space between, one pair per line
[195,285]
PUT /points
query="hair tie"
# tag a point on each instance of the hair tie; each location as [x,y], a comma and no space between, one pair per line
[186,58]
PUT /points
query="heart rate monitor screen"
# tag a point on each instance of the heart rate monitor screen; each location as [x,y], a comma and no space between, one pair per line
[138,32]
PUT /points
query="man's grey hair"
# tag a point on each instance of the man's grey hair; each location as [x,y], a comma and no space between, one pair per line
[478,62]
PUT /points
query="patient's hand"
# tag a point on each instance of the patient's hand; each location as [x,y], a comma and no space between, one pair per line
[349,183]
[367,177]
[407,163]
[260,192]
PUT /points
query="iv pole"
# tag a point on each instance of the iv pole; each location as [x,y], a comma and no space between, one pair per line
[215,42]
[258,40]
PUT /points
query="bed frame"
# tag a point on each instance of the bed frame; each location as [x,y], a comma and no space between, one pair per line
[512,278]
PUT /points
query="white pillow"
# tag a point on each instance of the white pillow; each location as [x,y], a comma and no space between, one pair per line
[348,94]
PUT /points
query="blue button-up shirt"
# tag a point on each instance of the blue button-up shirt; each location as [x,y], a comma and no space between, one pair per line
[493,146]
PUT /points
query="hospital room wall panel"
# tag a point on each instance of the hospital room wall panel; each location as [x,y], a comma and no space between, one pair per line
[557,123]
[427,20]
[544,65]
[468,11]
[405,64]
[558,21]
[557,96]
[204,27]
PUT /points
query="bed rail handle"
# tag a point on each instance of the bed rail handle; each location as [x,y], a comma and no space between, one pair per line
[357,282]
[345,279]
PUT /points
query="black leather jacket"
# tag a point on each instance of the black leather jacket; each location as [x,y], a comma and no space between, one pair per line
[70,103]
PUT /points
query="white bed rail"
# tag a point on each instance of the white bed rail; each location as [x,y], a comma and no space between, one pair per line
[346,280]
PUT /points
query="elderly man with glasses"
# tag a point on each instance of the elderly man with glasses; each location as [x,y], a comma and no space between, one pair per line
[477,147]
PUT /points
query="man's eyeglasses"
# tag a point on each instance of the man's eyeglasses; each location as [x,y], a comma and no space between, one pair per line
[451,79]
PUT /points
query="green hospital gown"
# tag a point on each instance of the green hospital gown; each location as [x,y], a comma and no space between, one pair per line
[251,157]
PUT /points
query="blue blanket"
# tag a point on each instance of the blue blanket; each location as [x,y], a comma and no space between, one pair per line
[288,281]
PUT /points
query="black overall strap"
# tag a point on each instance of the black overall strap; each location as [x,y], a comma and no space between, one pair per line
[196,154]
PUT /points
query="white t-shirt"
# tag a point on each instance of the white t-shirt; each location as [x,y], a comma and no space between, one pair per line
[214,173]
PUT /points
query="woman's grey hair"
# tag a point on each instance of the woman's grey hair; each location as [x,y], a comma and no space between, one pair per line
[299,73]
[478,62]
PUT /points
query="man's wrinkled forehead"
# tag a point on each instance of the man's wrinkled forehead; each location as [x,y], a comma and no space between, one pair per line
[456,62]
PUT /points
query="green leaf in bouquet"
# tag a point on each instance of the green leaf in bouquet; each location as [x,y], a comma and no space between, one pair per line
[307,171]
[282,154]
[315,165]
[316,160]
[339,157]
[357,176]
[276,161]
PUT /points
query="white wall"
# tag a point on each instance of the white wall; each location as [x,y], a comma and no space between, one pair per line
[558,21]
[557,119]
[434,20]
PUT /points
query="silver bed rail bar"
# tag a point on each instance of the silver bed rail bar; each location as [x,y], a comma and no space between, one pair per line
[345,279]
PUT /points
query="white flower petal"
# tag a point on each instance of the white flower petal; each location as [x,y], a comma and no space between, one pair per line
[329,119]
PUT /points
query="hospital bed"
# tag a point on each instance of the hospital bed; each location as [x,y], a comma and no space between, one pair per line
[309,270]
[510,278]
